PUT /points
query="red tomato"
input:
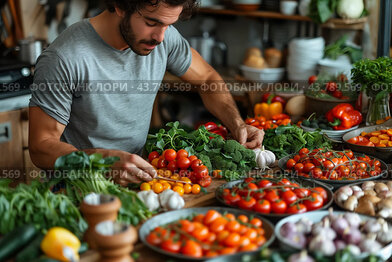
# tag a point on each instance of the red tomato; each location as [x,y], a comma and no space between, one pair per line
[232,240]
[171,245]
[303,152]
[279,206]
[299,167]
[301,192]
[192,248]
[162,163]
[297,208]
[172,166]
[331,86]
[182,153]
[192,158]
[200,233]
[337,94]
[154,239]
[316,172]
[232,199]
[252,186]
[259,195]
[183,163]
[201,171]
[315,202]
[247,203]
[289,196]
[196,163]
[322,192]
[210,216]
[312,79]
[308,167]
[187,225]
[328,164]
[169,154]
[262,206]
[205,181]
[290,163]
[264,183]
[271,196]
[153,155]
[256,222]
[249,179]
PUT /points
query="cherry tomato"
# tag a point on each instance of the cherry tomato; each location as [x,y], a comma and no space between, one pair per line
[264,183]
[232,240]
[328,164]
[192,158]
[172,166]
[192,248]
[312,79]
[290,163]
[343,171]
[271,196]
[218,224]
[252,186]
[187,225]
[316,172]
[303,152]
[315,201]
[331,86]
[232,199]
[243,218]
[301,192]
[256,222]
[183,163]
[289,196]
[210,216]
[297,208]
[153,155]
[205,181]
[200,233]
[299,167]
[262,206]
[249,179]
[349,153]
[198,218]
[169,154]
[259,195]
[322,192]
[296,158]
[246,203]
[308,167]
[154,239]
[196,163]
[162,163]
[279,206]
[233,226]
[182,153]
[171,245]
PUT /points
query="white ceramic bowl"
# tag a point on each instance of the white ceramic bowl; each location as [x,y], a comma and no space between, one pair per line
[266,75]
[316,216]
[334,134]
[288,7]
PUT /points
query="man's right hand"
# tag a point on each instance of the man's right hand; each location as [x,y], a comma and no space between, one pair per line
[131,168]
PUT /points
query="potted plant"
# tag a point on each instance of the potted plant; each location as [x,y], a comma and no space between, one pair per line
[375,78]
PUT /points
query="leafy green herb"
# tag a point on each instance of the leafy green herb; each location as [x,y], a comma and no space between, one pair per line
[374,76]
[289,139]
[84,174]
[36,204]
[339,48]
[321,10]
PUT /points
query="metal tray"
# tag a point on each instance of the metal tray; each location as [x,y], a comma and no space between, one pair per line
[315,216]
[338,183]
[275,217]
[389,219]
[384,153]
[171,216]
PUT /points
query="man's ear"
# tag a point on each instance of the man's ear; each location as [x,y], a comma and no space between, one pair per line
[119,12]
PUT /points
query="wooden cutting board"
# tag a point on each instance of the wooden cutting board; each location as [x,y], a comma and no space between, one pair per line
[203,199]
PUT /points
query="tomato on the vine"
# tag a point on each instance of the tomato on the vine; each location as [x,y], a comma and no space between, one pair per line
[264,183]
[303,152]
[192,248]
[301,192]
[171,245]
[182,153]
[279,206]
[322,192]
[183,163]
[289,196]
[290,163]
[169,154]
[315,201]
[262,206]
[153,155]
[246,203]
[296,209]
[196,163]
[271,196]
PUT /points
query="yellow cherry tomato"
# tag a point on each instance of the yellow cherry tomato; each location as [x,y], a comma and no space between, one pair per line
[161,172]
[196,189]
[187,189]
[179,184]
[179,190]
[185,179]
[157,187]
[166,185]
[167,173]
[152,181]
[154,162]
[175,176]
[145,186]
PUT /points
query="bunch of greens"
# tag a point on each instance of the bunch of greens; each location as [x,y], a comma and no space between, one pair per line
[339,48]
[216,153]
[36,204]
[231,157]
[84,174]
[321,10]
[289,139]
[374,76]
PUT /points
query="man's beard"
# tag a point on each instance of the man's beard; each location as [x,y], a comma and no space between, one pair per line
[130,38]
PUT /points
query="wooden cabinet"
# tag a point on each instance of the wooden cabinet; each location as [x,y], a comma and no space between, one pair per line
[15,162]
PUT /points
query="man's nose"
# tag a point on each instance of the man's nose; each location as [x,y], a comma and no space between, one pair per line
[159,34]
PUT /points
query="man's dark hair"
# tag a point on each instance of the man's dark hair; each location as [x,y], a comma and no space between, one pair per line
[131,6]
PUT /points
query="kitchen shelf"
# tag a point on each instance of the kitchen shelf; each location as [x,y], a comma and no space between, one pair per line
[334,23]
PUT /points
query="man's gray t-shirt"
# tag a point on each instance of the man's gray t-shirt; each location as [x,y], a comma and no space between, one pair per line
[104,96]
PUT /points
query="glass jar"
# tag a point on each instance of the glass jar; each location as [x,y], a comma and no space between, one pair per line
[378,110]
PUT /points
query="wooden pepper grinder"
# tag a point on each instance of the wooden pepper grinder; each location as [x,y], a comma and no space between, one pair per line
[97,208]
[115,241]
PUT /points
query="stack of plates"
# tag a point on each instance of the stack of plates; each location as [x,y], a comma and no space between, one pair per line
[304,55]
[333,134]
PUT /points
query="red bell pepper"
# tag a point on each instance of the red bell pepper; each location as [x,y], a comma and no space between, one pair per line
[274,98]
[343,116]
[216,129]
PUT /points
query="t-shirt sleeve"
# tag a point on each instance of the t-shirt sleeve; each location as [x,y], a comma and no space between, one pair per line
[51,90]
[179,52]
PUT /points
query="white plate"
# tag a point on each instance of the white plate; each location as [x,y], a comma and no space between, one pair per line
[316,216]
[335,134]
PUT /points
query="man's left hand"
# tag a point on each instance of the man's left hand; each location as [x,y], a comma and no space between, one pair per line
[249,136]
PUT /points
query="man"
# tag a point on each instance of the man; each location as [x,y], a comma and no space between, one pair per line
[130,40]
